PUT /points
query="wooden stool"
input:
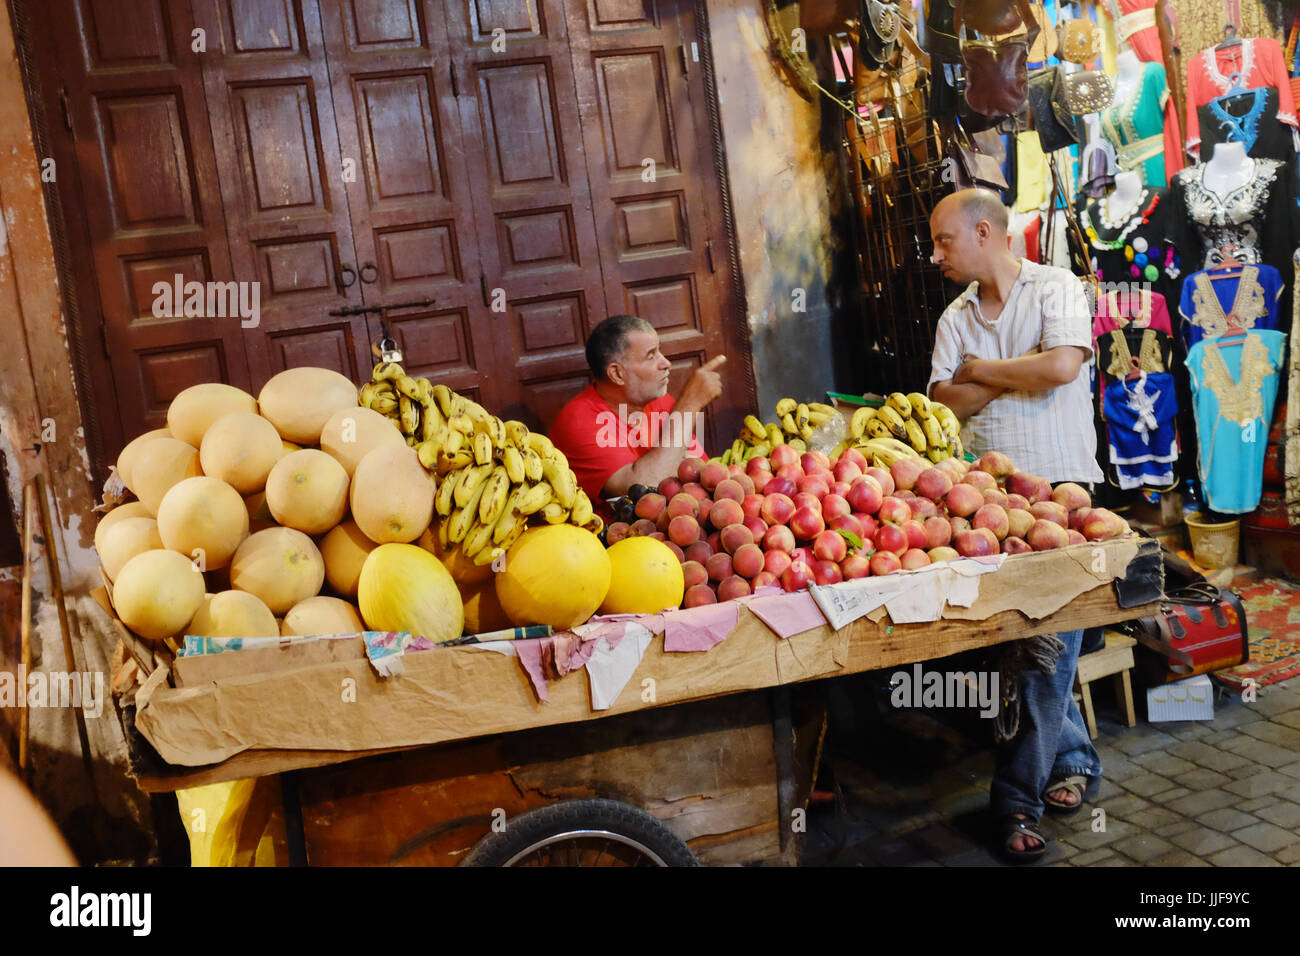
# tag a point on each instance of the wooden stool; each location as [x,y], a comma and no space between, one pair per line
[1116,658]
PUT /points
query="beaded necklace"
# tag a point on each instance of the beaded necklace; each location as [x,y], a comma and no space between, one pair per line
[1120,241]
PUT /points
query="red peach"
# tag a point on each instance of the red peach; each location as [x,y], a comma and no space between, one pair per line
[933,484]
[996,464]
[729,488]
[776,509]
[643,528]
[1102,523]
[958,524]
[845,470]
[734,536]
[826,572]
[693,573]
[765,579]
[736,469]
[807,523]
[922,507]
[776,562]
[689,470]
[1017,501]
[865,494]
[715,541]
[938,532]
[712,474]
[1078,519]
[651,505]
[699,595]
[905,471]
[752,506]
[904,495]
[1071,496]
[617,531]
[682,504]
[778,538]
[719,566]
[790,472]
[725,512]
[841,488]
[883,478]
[996,496]
[747,560]
[757,463]
[834,505]
[1076,537]
[681,555]
[661,523]
[659,536]
[1045,535]
[894,511]
[814,484]
[806,499]
[1015,545]
[732,588]
[695,490]
[830,546]
[706,509]
[670,486]
[1022,483]
[993,517]
[979,479]
[797,576]
[1050,511]
[914,558]
[780,486]
[976,543]
[698,552]
[885,562]
[855,566]
[891,538]
[845,523]
[684,531]
[1019,521]
[783,455]
[761,480]
[869,525]
[746,483]
[964,500]
[757,527]
[855,456]
[915,532]
[943,553]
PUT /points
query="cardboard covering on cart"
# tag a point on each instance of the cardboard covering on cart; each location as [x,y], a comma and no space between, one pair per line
[309,699]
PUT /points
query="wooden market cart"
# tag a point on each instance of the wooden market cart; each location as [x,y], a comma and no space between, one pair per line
[720,747]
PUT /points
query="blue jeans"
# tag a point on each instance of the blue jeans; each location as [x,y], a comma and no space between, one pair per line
[1053,740]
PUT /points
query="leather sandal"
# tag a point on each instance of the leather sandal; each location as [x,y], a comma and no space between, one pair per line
[1076,785]
[1010,828]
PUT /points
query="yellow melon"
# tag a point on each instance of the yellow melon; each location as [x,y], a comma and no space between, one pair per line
[240,449]
[279,565]
[259,514]
[463,569]
[157,593]
[351,432]
[194,410]
[645,577]
[127,458]
[125,540]
[392,495]
[288,448]
[233,614]
[483,611]
[307,490]
[299,401]
[344,550]
[162,463]
[204,519]
[555,574]
[132,509]
[322,615]
[405,588]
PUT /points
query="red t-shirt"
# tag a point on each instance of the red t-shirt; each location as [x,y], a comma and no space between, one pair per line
[597,444]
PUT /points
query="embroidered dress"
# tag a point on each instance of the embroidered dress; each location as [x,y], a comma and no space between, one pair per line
[1210,298]
[1144,131]
[1249,118]
[1252,64]
[1135,21]
[1234,385]
[1140,309]
[1256,217]
[1143,440]
[1132,246]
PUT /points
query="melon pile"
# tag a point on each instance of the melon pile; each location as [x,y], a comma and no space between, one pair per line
[256,517]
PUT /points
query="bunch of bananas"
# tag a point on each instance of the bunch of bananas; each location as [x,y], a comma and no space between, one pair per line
[795,424]
[494,477]
[923,426]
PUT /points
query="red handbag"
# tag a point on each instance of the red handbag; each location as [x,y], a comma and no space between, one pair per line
[1194,633]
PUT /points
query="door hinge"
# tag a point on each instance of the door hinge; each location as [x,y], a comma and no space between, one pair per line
[67,108]
[708,251]
[455,84]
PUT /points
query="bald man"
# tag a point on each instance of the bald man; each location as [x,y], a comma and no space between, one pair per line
[1013,359]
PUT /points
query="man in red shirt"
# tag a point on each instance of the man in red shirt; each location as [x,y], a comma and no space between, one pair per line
[625,429]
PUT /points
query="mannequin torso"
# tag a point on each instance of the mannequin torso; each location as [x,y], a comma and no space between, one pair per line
[1128,77]
[1228,169]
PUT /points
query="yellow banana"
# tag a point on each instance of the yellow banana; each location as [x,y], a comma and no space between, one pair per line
[957,451]
[534,499]
[450,462]
[899,403]
[937,453]
[384,404]
[801,418]
[443,540]
[462,519]
[876,428]
[478,538]
[410,415]
[494,428]
[555,513]
[460,423]
[858,423]
[482,449]
[468,484]
[366,395]
[788,425]
[562,481]
[387,372]
[726,457]
[755,427]
[446,400]
[408,387]
[494,497]
[920,404]
[507,523]
[738,450]
[428,453]
[517,434]
[915,437]
[775,436]
[514,464]
[934,436]
[582,510]
[950,423]
[532,465]
[453,441]
[540,444]
[892,420]
[786,406]
[432,426]
[443,501]
[595,524]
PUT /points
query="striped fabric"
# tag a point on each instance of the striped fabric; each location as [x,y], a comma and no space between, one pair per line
[1048,432]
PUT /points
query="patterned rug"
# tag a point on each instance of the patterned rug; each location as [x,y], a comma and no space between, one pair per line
[1273,613]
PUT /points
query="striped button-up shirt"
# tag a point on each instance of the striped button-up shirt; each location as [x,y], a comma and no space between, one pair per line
[1046,432]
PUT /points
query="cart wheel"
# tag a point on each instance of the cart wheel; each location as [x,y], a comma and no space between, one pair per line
[582,833]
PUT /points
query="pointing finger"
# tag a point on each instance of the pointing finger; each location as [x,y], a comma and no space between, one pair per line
[713,363]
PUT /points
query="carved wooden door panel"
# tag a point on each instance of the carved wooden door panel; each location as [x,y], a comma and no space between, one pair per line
[411,199]
[142,199]
[532,206]
[282,183]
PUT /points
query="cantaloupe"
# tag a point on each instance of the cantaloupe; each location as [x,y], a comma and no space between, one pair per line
[405,588]
[233,614]
[392,495]
[157,593]
[160,464]
[279,565]
[259,513]
[127,457]
[463,569]
[555,574]
[195,409]
[299,401]
[132,509]
[351,432]
[204,519]
[307,490]
[125,540]
[240,449]
[322,615]
[645,577]
[344,550]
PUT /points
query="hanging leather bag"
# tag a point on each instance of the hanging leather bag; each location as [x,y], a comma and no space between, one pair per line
[997,78]
[995,16]
[821,18]
[1052,133]
[1088,91]
[1080,40]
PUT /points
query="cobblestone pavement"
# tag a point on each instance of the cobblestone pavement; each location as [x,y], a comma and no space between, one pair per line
[914,789]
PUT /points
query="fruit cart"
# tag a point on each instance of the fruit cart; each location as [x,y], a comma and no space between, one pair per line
[702,756]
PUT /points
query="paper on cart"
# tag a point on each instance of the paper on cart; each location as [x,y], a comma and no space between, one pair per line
[910,597]
[609,669]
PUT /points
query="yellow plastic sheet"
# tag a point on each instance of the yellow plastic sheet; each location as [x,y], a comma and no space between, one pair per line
[240,823]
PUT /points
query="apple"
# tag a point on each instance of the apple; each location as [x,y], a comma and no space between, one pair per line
[1046,535]
[963,500]
[914,558]
[885,562]
[894,511]
[943,553]
[993,517]
[976,543]
[778,538]
[1071,496]
[725,512]
[775,562]
[830,546]
[938,532]
[683,531]
[807,523]
[883,478]
[996,464]
[865,494]
[689,470]
[891,538]
[1103,523]
[1050,511]
[933,484]
[699,595]
[855,566]
[732,588]
[1015,545]
[905,471]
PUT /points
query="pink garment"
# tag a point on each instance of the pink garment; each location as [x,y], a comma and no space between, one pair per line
[1115,311]
[1255,63]
[1146,41]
